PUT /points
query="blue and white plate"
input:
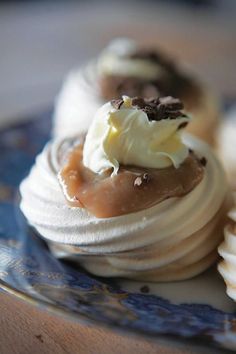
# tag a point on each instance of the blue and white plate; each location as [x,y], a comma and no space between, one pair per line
[196,310]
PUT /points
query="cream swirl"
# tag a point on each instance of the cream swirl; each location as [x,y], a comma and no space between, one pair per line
[127,136]
[114,60]
[227,251]
[175,239]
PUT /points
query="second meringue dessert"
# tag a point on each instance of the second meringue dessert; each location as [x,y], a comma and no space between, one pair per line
[131,198]
[125,68]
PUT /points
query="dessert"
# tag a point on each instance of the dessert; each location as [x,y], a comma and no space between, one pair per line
[227,147]
[124,68]
[132,198]
[227,250]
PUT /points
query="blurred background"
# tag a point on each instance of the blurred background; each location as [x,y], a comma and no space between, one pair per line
[41,40]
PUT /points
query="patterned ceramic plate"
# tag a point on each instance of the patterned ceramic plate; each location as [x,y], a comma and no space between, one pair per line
[196,310]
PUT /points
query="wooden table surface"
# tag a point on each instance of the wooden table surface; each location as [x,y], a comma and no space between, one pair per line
[38,45]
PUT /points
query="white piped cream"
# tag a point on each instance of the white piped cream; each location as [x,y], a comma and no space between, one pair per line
[126,136]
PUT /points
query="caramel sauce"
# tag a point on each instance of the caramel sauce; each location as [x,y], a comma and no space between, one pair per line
[131,190]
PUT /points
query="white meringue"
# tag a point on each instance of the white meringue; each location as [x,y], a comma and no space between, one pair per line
[227,251]
[175,239]
[77,102]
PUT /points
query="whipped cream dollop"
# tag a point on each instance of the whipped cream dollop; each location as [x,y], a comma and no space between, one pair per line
[124,133]
[116,59]
[227,250]
[175,239]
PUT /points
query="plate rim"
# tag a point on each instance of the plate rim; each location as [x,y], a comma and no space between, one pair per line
[82,319]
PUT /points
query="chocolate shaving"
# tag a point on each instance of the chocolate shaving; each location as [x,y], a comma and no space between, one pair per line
[154,57]
[173,104]
[203,161]
[137,181]
[150,112]
[140,180]
[146,177]
[160,108]
[138,102]
[157,108]
[144,289]
[39,337]
[117,103]
[182,125]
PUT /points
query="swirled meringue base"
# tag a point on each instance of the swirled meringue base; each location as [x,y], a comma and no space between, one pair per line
[160,262]
[79,100]
[173,240]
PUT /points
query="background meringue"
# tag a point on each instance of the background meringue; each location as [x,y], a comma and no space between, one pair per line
[80,97]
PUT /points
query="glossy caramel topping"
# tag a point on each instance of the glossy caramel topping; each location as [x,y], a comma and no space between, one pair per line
[131,190]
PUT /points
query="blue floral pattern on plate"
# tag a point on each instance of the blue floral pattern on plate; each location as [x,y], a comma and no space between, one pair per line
[28,270]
